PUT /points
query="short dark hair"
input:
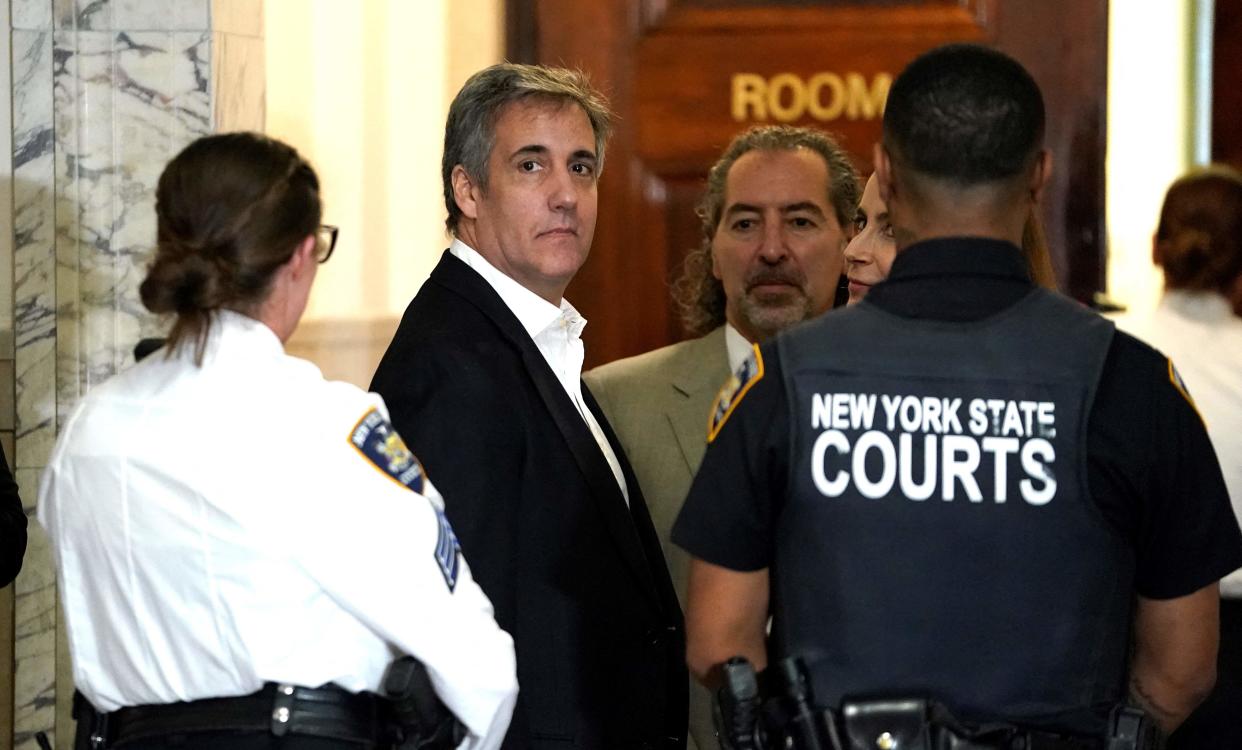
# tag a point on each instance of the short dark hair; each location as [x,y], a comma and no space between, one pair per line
[470,130]
[230,210]
[699,295]
[964,114]
[1199,237]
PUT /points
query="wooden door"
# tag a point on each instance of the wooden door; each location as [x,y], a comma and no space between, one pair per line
[1227,84]
[684,76]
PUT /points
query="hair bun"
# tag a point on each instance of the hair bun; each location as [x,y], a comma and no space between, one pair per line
[1189,259]
[1192,245]
[182,283]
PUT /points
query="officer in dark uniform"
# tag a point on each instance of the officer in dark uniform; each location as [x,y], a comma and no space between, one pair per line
[964,488]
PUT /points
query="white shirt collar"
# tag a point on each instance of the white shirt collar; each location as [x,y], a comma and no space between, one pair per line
[241,331]
[1200,305]
[535,313]
[737,346]
[557,333]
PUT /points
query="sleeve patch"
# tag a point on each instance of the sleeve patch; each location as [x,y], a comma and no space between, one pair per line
[1175,378]
[448,551]
[731,393]
[380,444]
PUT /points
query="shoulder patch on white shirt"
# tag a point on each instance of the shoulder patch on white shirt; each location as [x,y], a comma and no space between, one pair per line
[374,437]
[731,393]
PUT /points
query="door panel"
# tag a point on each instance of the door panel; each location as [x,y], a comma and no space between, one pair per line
[1227,83]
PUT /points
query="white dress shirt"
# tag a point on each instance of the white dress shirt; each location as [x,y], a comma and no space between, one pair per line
[1200,333]
[557,333]
[216,528]
[737,347]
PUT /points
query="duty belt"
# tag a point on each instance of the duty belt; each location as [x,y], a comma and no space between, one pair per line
[781,713]
[329,712]
[898,724]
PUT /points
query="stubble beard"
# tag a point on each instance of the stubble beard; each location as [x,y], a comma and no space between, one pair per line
[768,317]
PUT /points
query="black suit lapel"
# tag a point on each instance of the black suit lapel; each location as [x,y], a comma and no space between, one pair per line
[459,278]
[594,466]
[640,517]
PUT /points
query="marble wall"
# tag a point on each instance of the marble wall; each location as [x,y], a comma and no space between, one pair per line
[6,348]
[104,93]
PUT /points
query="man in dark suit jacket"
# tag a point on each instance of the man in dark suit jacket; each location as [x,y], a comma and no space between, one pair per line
[483,380]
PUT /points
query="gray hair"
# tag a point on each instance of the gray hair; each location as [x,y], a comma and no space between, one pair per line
[699,295]
[470,132]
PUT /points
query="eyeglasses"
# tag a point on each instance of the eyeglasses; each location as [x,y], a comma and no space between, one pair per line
[327,242]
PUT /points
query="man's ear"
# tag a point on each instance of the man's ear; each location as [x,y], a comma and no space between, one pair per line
[1040,175]
[466,192]
[883,172]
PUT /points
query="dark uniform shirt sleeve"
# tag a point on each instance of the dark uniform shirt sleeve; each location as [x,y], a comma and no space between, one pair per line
[12,525]
[729,516]
[1155,475]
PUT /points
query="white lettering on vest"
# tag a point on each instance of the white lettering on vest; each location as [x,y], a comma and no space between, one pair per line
[890,404]
[1001,449]
[884,444]
[829,439]
[842,411]
[924,489]
[1001,431]
[1033,468]
[960,459]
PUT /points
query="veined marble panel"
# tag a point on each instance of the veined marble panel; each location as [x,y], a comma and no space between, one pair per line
[34,647]
[35,331]
[126,103]
[161,15]
[31,14]
[34,291]
[133,15]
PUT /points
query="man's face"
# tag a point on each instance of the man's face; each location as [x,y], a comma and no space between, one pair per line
[535,220]
[778,247]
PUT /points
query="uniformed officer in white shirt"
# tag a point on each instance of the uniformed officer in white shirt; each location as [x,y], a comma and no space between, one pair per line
[229,525]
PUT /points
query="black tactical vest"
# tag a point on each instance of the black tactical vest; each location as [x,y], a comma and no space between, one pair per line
[939,538]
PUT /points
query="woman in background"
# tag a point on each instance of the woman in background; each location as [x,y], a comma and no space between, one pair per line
[244,547]
[1198,324]
[870,254]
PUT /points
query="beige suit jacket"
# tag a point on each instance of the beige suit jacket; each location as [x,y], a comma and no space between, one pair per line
[659,403]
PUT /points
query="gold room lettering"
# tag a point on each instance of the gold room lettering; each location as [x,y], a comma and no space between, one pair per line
[824,96]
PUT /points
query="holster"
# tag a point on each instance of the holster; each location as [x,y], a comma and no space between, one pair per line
[423,721]
[1131,729]
[735,710]
[91,730]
